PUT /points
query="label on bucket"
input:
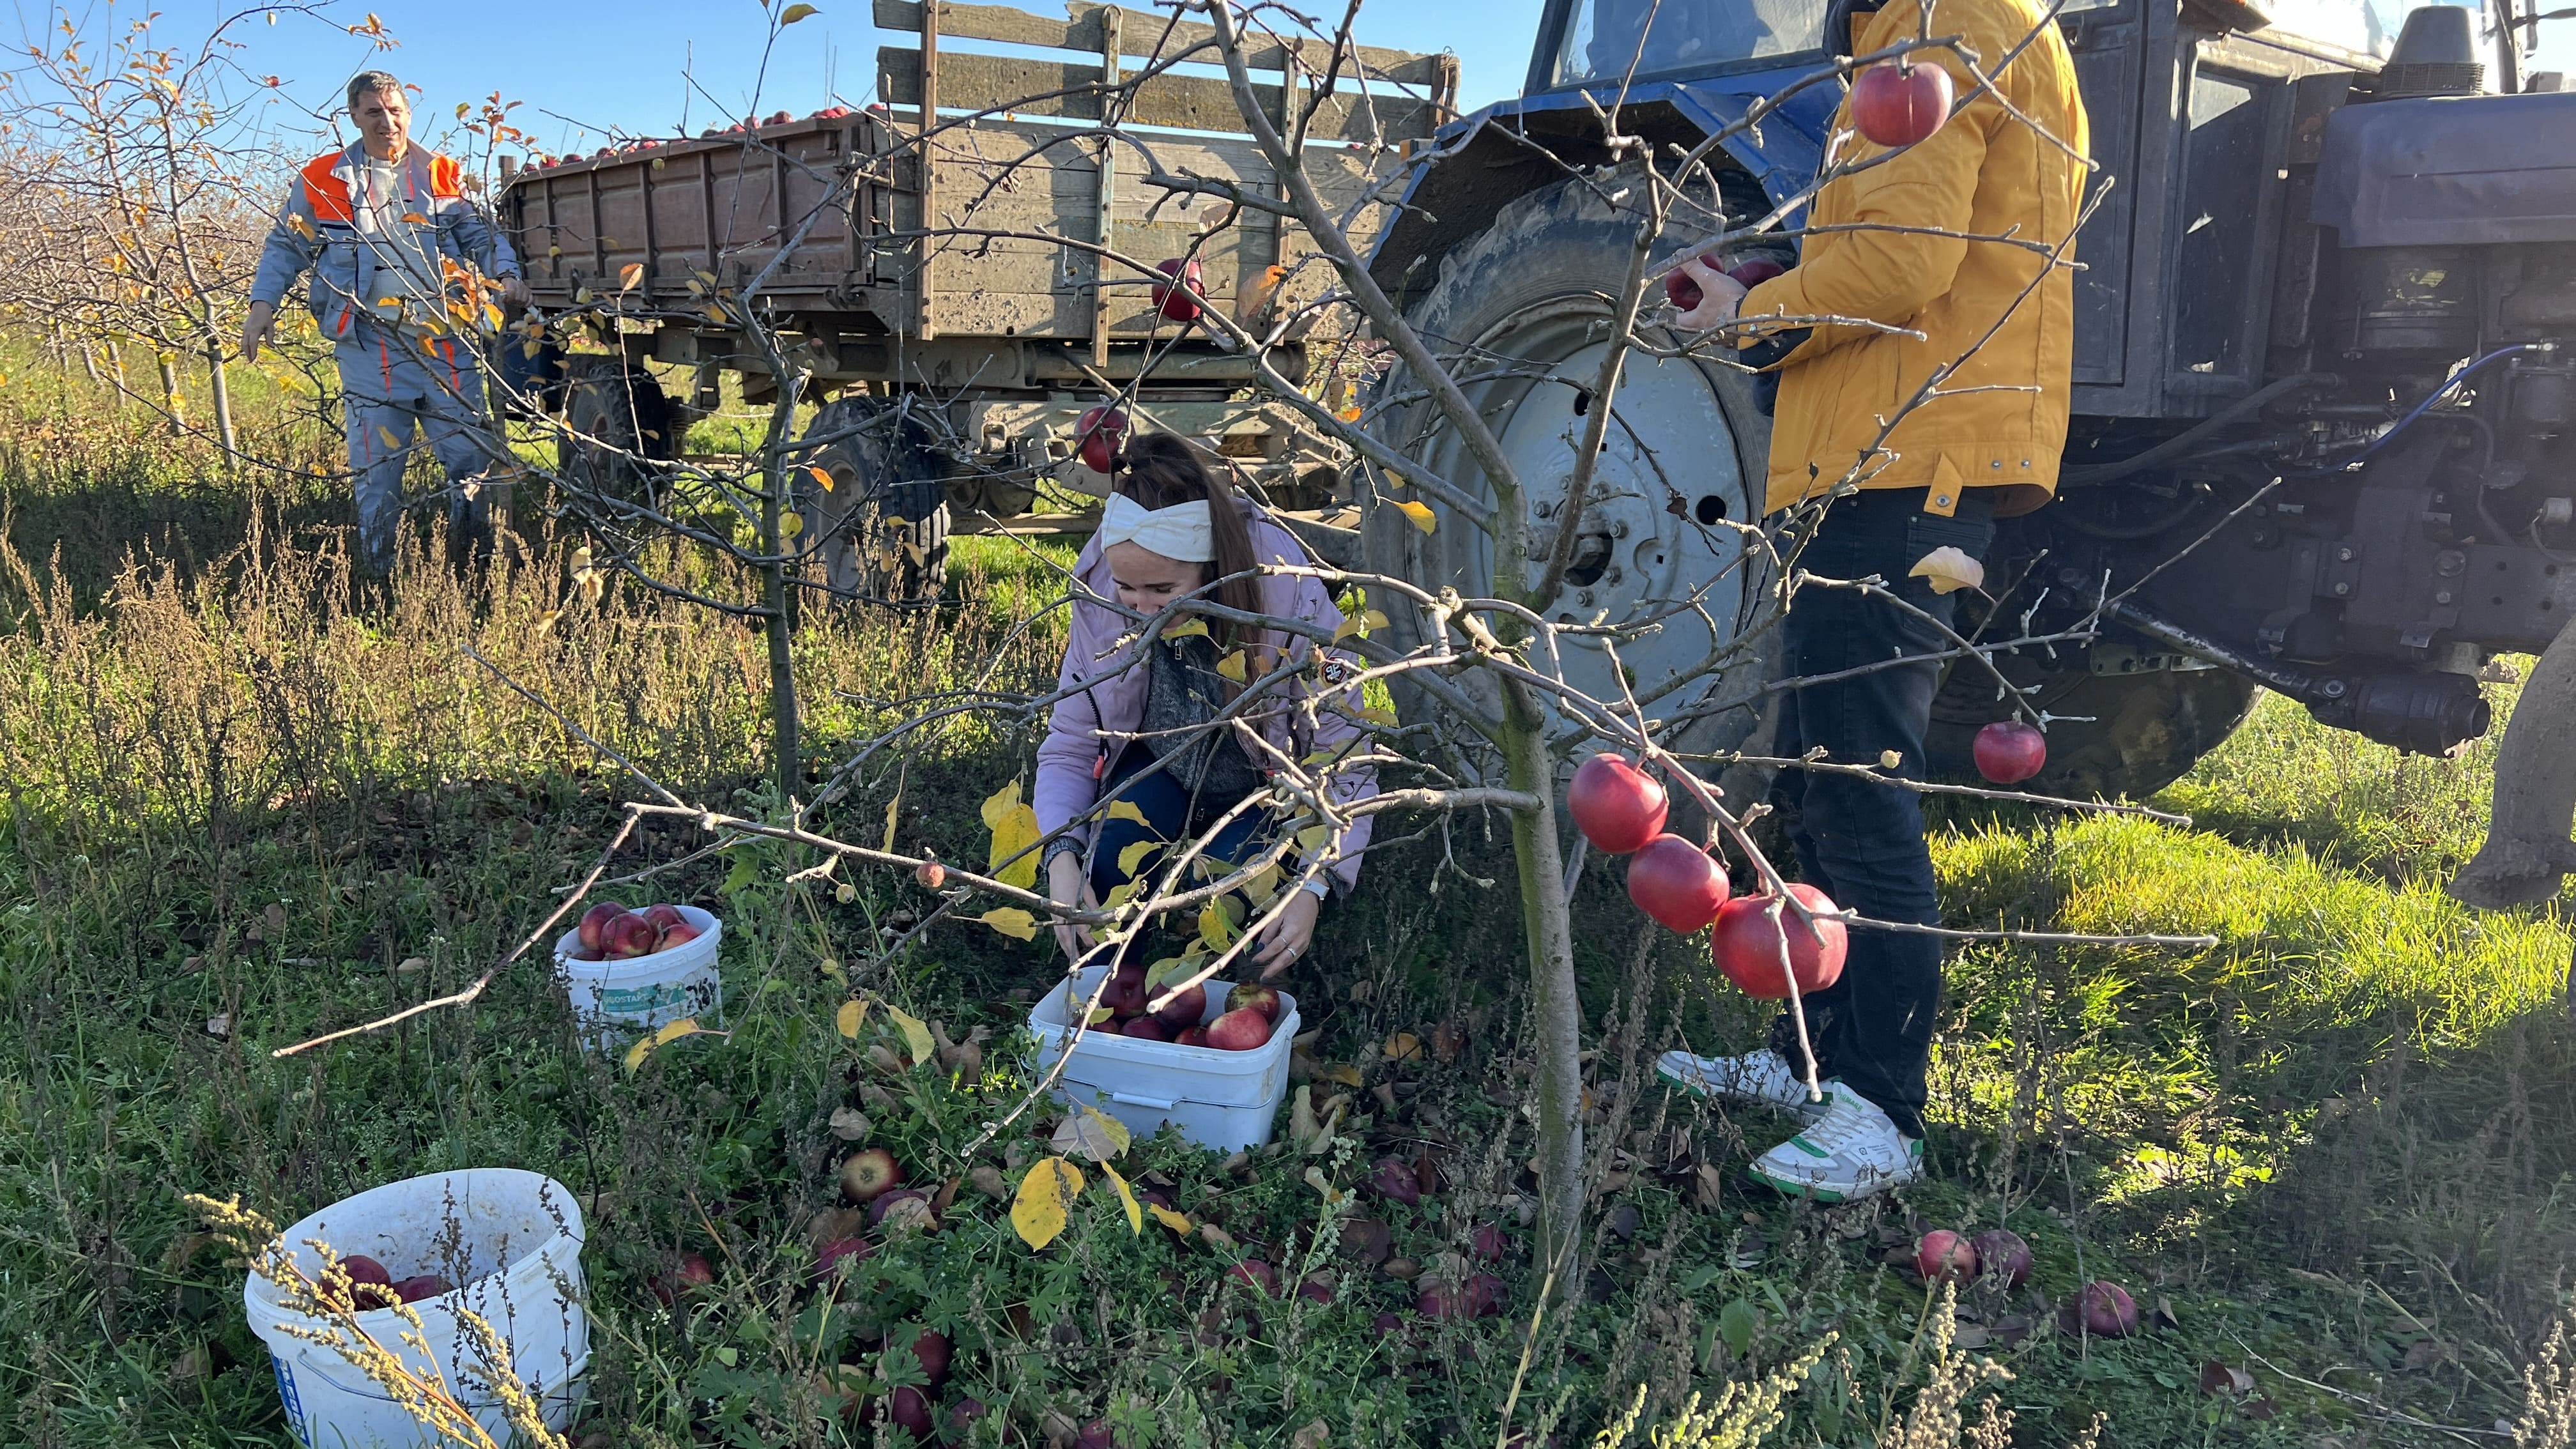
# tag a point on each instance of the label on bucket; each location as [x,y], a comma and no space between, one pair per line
[691,996]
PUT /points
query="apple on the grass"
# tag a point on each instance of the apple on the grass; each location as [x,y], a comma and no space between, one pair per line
[869,1175]
[1617,806]
[1749,935]
[1899,102]
[1677,883]
[2002,1252]
[1942,1256]
[2009,751]
[2107,1309]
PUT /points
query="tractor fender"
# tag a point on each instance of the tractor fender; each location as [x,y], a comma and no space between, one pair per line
[1497,155]
[2528,854]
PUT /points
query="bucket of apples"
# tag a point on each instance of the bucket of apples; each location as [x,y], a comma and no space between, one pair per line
[1213,1059]
[629,972]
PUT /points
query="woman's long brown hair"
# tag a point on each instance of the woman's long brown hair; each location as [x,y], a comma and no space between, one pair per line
[1164,470]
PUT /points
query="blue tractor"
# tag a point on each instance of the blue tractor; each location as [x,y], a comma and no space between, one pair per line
[2340,253]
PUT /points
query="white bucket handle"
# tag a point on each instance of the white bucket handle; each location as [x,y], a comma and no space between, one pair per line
[1160,1104]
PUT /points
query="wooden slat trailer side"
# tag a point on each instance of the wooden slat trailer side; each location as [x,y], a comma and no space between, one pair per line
[966,287]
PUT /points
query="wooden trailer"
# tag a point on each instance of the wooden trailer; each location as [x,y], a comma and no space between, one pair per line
[939,256]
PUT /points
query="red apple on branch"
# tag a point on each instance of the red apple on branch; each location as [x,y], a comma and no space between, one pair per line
[1748,939]
[1176,304]
[1677,883]
[2009,751]
[1899,102]
[1098,434]
[1617,806]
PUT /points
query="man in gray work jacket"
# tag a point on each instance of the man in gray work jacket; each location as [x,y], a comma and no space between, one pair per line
[404,275]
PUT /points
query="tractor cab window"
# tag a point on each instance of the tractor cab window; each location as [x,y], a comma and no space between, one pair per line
[1608,39]
[2363,27]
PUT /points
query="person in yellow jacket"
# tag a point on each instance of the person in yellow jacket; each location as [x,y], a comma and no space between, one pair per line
[1904,271]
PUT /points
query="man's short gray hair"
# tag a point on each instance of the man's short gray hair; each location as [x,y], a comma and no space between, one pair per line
[366,83]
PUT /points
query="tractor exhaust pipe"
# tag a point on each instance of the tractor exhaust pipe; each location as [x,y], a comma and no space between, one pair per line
[2528,853]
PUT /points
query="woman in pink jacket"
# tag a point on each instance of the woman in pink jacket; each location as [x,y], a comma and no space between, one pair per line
[1150,719]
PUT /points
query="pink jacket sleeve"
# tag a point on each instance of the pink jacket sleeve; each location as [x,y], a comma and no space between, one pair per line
[1089,726]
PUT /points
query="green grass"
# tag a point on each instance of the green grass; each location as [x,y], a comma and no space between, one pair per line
[2338,1141]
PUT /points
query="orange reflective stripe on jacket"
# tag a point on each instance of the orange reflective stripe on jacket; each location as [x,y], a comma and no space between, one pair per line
[328,194]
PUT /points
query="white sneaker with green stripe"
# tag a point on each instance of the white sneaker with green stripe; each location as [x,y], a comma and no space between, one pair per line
[1850,1152]
[1763,1078]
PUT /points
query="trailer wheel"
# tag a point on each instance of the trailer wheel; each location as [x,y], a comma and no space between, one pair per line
[881,530]
[617,424]
[2134,733]
[1518,317]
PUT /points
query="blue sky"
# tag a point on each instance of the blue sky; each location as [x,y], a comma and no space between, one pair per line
[583,67]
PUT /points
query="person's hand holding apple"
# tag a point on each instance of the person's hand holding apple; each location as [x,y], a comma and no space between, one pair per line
[1720,295]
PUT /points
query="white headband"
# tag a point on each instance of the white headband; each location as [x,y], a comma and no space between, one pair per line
[1180,532]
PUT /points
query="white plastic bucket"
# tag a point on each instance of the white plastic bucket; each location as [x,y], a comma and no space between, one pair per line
[512,1239]
[1219,1099]
[615,1000]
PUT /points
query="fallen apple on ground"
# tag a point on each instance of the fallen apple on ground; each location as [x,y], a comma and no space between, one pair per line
[870,1175]
[2107,1309]
[1942,1256]
[2002,1252]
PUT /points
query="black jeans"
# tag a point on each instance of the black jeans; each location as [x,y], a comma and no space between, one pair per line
[1172,813]
[1861,842]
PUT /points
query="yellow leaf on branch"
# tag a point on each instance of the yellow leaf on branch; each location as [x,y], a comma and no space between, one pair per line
[1013,922]
[1233,666]
[1420,513]
[629,275]
[1039,1209]
[1948,570]
[1360,623]
[823,476]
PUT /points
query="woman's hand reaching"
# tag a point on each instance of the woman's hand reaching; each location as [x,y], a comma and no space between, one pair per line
[1286,939]
[1067,886]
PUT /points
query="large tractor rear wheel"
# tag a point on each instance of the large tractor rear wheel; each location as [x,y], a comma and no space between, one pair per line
[618,425]
[881,529]
[1520,317]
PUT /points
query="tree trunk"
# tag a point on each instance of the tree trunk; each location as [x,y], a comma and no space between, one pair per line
[170,391]
[223,400]
[1557,1010]
[116,368]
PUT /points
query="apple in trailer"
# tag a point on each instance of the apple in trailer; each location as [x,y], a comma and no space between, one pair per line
[1098,435]
[1617,806]
[2009,751]
[1677,883]
[1899,102]
[1747,943]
